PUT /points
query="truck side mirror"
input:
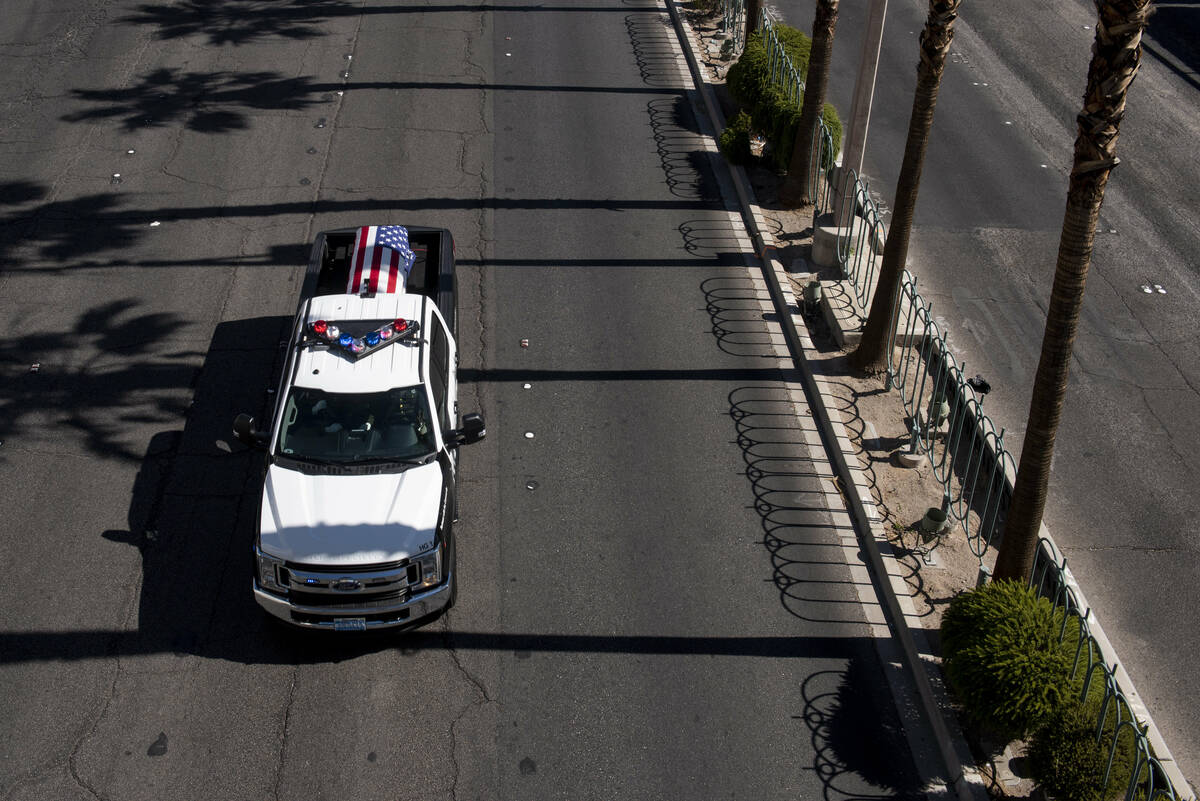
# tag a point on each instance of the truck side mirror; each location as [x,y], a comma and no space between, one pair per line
[472,430]
[244,430]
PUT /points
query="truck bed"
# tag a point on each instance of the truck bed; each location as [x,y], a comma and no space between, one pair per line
[432,272]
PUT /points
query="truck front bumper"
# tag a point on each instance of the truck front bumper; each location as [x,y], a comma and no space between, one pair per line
[350,618]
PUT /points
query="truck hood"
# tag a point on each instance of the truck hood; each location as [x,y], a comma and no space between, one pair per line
[349,520]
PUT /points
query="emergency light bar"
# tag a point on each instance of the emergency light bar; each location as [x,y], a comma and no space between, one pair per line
[327,334]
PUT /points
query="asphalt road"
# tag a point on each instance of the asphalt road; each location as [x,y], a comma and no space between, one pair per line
[1123,492]
[652,604]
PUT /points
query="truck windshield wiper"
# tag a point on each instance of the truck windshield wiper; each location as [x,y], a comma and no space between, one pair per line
[426,459]
[314,460]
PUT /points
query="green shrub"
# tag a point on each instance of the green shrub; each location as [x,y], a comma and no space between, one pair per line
[1068,760]
[748,75]
[1003,658]
[797,45]
[751,75]
[735,139]
[771,112]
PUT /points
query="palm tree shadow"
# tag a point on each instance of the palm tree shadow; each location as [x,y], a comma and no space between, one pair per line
[206,102]
[857,735]
[238,23]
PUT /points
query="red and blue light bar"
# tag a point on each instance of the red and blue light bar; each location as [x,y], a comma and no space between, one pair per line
[327,333]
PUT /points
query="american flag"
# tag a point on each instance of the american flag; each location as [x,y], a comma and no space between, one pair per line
[382,259]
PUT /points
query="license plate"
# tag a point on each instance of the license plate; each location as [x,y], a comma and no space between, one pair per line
[349,624]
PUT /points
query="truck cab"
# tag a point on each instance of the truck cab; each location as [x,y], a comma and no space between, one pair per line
[355,526]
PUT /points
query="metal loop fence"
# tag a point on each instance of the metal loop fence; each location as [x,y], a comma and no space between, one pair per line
[860,251]
[820,168]
[779,66]
[1117,726]
[968,457]
[946,421]
[733,23]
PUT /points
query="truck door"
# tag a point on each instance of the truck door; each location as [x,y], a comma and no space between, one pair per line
[441,373]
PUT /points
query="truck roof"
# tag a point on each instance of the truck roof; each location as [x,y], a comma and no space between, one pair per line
[396,365]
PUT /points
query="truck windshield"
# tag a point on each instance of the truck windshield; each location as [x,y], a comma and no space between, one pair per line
[392,426]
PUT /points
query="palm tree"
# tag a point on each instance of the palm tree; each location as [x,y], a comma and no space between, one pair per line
[1115,58]
[794,191]
[871,354]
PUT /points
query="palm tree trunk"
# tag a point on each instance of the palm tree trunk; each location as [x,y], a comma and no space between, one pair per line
[794,191]
[871,354]
[1116,55]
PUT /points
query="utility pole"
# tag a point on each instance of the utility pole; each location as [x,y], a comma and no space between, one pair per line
[860,111]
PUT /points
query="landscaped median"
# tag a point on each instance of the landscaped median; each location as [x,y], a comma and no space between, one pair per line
[1030,675]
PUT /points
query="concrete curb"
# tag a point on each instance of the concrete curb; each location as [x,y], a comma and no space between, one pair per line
[952,750]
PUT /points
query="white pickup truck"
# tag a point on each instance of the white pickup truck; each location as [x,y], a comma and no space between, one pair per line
[355,526]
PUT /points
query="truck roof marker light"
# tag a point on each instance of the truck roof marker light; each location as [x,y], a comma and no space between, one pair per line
[320,327]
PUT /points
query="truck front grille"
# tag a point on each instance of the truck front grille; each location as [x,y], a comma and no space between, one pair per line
[353,600]
[349,587]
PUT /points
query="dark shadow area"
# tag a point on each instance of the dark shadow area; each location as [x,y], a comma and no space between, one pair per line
[656,51]
[807,559]
[205,99]
[737,317]
[857,736]
[1174,38]
[193,508]
[216,102]
[71,231]
[239,22]
[860,741]
[808,564]
[125,380]
[259,641]
[714,238]
[681,149]
[721,259]
[207,102]
[16,193]
[75,233]
[472,375]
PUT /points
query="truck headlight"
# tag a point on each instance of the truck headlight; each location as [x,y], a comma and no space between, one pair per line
[268,572]
[431,567]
